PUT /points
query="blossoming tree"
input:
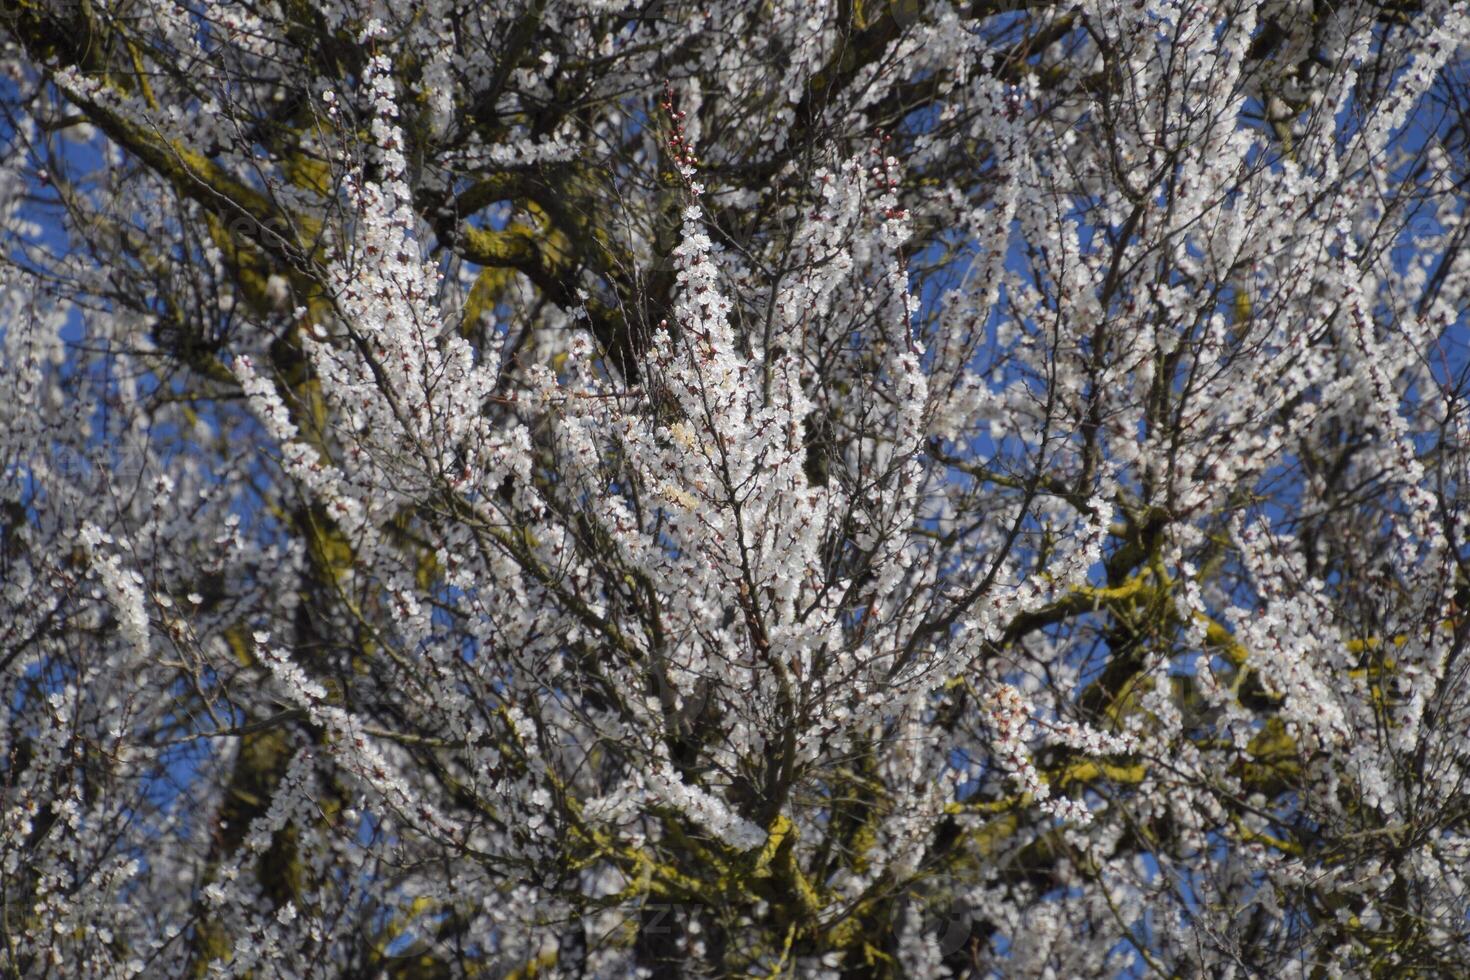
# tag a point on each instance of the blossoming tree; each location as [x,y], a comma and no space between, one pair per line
[858,489]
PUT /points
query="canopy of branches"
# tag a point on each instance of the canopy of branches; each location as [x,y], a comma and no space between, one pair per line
[859,489]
